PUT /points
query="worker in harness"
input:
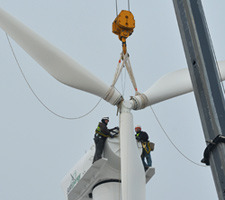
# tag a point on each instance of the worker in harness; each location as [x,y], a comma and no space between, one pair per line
[142,137]
[101,134]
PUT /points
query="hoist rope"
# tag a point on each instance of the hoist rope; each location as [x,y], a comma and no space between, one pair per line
[164,131]
[128,2]
[116,8]
[42,103]
[128,5]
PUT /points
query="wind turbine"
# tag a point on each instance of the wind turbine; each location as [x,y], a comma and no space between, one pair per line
[70,73]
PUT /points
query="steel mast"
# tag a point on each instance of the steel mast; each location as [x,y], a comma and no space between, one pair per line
[203,68]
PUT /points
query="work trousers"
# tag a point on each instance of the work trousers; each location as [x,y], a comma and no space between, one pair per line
[148,158]
[99,146]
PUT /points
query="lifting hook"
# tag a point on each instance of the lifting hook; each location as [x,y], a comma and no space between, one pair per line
[123,26]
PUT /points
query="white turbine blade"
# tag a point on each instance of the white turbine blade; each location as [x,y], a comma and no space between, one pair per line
[221,65]
[132,170]
[54,61]
[171,85]
[175,84]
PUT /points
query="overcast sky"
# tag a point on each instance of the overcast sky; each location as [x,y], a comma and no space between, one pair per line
[38,148]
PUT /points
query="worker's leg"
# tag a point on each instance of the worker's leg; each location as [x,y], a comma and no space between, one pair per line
[143,159]
[96,144]
[149,159]
[99,146]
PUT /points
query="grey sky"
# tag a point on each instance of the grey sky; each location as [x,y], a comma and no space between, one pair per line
[37,148]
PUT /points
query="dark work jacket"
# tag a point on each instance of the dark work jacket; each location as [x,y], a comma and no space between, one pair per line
[141,136]
[103,130]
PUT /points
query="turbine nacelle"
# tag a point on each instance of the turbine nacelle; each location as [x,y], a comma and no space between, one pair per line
[86,180]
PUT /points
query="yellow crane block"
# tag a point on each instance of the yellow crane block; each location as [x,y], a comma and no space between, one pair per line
[123,26]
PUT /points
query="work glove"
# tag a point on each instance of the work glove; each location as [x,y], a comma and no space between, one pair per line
[117,130]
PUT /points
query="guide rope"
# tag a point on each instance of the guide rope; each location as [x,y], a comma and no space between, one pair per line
[42,103]
[164,131]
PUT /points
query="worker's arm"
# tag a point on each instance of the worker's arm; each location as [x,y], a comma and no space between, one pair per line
[138,138]
[105,131]
[112,129]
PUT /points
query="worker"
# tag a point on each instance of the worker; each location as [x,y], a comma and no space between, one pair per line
[101,134]
[142,137]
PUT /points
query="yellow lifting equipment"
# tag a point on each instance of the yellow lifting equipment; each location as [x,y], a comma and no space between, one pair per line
[123,26]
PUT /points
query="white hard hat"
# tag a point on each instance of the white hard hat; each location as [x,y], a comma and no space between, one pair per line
[105,118]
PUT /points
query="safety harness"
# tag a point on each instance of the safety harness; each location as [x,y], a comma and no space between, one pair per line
[99,132]
[146,146]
